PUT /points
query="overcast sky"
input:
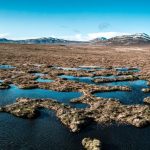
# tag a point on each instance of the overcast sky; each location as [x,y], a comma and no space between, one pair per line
[73,20]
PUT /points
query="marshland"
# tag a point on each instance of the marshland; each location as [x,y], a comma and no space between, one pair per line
[54,96]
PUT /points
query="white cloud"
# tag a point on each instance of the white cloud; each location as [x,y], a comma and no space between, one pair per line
[105,34]
[4,35]
[91,36]
[75,37]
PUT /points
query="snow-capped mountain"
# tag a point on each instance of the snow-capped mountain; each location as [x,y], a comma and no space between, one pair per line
[139,38]
[99,39]
[134,39]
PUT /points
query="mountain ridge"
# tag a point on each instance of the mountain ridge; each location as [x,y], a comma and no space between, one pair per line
[133,39]
[44,40]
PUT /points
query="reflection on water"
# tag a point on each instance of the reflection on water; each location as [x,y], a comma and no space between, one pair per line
[135,96]
[79,79]
[9,96]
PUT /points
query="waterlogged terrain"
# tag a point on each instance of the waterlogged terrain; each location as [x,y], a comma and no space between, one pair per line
[135,96]
[103,101]
[78,79]
[43,80]
[46,132]
[10,95]
[4,67]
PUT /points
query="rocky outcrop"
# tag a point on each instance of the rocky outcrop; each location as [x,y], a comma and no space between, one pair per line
[4,86]
[147,100]
[91,144]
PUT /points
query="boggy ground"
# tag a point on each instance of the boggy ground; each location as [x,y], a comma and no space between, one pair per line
[101,110]
[30,59]
[74,56]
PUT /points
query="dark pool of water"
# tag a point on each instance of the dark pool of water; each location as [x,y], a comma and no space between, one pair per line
[47,133]
[6,67]
[135,96]
[9,96]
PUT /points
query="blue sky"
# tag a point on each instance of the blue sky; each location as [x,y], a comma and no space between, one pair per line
[74,20]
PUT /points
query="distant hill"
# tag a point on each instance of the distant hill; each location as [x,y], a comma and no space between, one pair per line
[135,39]
[49,40]
[100,39]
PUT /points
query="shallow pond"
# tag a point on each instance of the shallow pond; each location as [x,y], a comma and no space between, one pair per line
[135,96]
[44,80]
[47,133]
[79,79]
[87,80]
[127,69]
[9,96]
[6,67]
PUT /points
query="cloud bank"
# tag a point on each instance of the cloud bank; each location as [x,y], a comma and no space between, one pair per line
[91,36]
[74,37]
[4,35]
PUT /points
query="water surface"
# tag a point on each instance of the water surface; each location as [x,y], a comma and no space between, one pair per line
[44,80]
[127,69]
[135,96]
[6,67]
[47,133]
[9,96]
[79,79]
